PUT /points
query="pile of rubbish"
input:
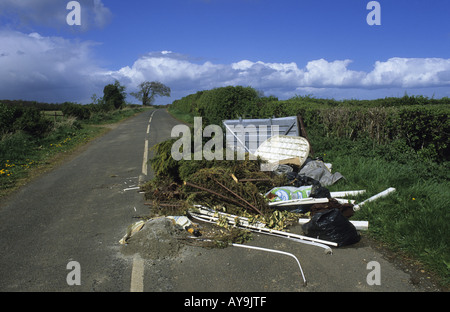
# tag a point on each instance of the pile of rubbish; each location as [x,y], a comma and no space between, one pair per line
[218,203]
[281,186]
[287,195]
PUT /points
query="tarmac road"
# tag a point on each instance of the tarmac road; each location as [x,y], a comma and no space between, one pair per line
[80,210]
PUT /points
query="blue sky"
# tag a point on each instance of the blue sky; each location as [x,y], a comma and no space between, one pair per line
[284,48]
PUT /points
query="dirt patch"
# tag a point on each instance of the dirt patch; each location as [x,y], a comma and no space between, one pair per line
[159,239]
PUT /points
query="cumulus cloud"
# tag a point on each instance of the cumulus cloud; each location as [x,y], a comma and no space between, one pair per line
[173,68]
[54,69]
[287,78]
[409,73]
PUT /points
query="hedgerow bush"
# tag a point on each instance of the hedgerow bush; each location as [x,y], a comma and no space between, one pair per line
[81,112]
[7,118]
[27,119]
[228,102]
[409,122]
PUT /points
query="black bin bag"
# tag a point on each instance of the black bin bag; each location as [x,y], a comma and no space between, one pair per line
[331,225]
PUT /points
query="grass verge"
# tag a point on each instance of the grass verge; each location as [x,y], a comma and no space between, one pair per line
[22,156]
[184,117]
[414,220]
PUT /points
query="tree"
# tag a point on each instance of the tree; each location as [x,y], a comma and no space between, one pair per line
[149,90]
[114,95]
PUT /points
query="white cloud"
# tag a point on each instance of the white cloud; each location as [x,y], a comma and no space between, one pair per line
[173,68]
[285,79]
[321,73]
[37,67]
[409,73]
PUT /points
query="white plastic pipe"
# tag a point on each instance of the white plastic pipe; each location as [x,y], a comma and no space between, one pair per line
[278,252]
[207,216]
[301,201]
[346,193]
[382,194]
[359,225]
[269,232]
[232,219]
[345,201]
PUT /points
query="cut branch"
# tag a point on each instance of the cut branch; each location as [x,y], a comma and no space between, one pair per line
[214,193]
[251,206]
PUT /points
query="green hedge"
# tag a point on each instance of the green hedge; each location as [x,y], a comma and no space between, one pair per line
[27,119]
[415,122]
[81,112]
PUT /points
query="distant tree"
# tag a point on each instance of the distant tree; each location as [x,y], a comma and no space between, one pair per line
[149,90]
[114,95]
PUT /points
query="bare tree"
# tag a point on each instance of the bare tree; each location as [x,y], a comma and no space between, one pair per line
[149,90]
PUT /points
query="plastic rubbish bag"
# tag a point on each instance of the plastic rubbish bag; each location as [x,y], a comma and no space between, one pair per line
[317,190]
[332,226]
[317,170]
[297,180]
[283,169]
[283,193]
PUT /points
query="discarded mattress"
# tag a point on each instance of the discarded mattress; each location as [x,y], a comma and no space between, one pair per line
[318,171]
[283,149]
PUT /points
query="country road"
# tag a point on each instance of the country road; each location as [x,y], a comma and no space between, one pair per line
[80,210]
